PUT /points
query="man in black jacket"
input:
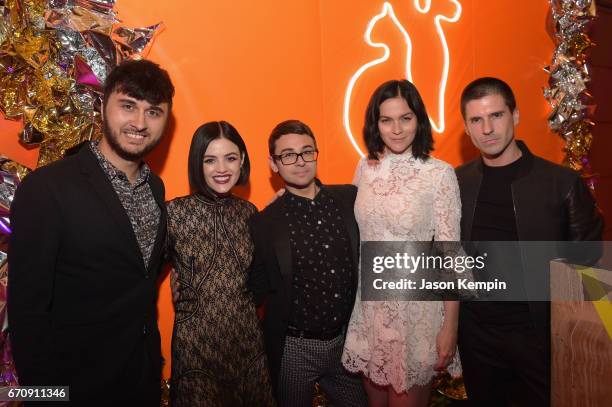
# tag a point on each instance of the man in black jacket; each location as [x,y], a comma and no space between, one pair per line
[511,195]
[305,272]
[86,250]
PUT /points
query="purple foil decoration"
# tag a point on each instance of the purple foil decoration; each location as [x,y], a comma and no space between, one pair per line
[84,74]
[8,375]
[4,226]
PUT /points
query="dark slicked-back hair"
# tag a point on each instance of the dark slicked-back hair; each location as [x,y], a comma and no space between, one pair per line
[140,79]
[200,141]
[487,86]
[423,140]
[288,127]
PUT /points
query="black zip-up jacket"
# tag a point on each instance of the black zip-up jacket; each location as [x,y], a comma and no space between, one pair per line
[551,203]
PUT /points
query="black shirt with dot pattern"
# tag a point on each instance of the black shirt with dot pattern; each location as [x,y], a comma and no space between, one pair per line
[322,292]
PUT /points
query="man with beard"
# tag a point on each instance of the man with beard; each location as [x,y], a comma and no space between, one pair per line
[86,250]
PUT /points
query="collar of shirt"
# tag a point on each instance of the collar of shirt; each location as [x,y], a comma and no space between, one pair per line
[293,201]
[113,172]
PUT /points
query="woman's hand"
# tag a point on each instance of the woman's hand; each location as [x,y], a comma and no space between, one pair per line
[276,195]
[446,345]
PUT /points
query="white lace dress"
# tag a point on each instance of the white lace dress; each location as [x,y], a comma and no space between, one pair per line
[401,199]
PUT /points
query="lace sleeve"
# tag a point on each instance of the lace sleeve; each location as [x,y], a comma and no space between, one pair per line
[447,207]
[358,170]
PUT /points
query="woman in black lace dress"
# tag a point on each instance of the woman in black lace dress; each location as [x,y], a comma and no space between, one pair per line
[217,350]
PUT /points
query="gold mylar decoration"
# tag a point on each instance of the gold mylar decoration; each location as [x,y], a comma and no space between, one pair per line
[54,58]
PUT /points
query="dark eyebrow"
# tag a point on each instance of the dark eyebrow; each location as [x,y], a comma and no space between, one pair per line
[133,102]
[402,115]
[226,155]
[291,150]
[498,112]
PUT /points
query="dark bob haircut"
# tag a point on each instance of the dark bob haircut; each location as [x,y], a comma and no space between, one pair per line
[487,86]
[202,138]
[288,127]
[140,79]
[423,140]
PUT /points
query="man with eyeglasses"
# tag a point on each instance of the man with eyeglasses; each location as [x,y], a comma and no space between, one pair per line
[305,273]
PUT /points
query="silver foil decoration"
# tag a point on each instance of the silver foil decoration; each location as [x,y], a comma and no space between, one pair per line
[571,103]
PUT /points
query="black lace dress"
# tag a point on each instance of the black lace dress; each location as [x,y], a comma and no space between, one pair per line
[217,350]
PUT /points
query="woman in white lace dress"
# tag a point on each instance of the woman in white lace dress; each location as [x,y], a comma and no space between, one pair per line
[404,195]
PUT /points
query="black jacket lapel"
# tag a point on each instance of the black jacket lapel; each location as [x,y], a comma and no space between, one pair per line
[469,186]
[104,189]
[348,215]
[280,236]
[350,224]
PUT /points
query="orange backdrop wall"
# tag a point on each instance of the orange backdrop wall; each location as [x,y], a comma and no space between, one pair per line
[257,63]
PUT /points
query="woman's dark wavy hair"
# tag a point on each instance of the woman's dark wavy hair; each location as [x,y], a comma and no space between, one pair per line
[423,140]
[200,141]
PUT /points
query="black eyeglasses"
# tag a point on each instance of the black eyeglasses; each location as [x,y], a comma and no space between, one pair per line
[292,158]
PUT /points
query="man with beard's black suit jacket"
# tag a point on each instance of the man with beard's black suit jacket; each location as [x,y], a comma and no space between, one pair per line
[85,253]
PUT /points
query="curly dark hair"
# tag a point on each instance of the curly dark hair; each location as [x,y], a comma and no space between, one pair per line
[140,79]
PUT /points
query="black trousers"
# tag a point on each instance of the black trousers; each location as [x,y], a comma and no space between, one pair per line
[504,365]
[138,386]
[141,381]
